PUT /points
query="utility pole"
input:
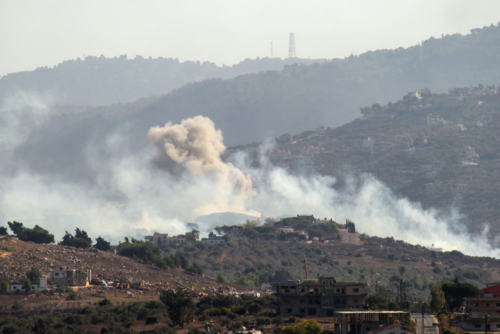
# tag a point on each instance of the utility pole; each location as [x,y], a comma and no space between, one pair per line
[423,324]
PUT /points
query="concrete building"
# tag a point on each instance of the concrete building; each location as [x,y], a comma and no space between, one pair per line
[70,277]
[484,311]
[39,285]
[162,239]
[234,230]
[157,239]
[319,297]
[284,229]
[213,239]
[349,235]
[367,322]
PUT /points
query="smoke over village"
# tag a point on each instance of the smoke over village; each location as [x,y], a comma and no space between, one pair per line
[250,168]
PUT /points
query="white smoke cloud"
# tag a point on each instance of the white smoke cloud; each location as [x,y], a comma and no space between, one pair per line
[182,175]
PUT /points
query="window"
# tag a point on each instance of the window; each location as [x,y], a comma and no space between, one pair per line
[57,274]
[487,304]
[288,310]
[477,326]
[355,301]
[338,290]
[355,290]
[302,310]
[286,301]
[302,301]
[498,304]
[498,325]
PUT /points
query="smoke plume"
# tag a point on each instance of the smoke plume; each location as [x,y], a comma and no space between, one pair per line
[182,175]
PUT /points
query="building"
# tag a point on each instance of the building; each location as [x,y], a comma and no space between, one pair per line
[349,235]
[39,285]
[234,230]
[484,311]
[371,322]
[162,239]
[213,239]
[307,217]
[157,239]
[284,229]
[319,297]
[70,277]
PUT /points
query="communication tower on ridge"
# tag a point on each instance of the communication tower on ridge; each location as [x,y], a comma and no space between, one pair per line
[291,46]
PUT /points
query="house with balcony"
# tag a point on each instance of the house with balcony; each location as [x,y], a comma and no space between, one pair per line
[484,311]
[319,297]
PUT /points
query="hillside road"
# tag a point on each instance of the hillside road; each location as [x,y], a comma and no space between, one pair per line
[429,319]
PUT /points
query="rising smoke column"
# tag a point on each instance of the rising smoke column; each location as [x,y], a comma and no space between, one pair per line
[192,151]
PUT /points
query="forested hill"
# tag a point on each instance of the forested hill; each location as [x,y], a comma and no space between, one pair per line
[96,81]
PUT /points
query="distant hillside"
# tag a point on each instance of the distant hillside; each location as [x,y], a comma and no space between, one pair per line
[442,150]
[386,260]
[255,106]
[96,81]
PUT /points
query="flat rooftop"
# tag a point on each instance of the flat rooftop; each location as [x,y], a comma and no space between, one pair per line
[371,312]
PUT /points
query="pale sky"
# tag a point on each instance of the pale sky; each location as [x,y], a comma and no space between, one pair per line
[36,33]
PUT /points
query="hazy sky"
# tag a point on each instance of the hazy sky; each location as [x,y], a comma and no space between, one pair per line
[43,33]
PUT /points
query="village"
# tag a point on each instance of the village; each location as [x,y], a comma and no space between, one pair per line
[342,306]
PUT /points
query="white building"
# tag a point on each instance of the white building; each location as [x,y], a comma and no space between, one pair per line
[39,286]
[213,239]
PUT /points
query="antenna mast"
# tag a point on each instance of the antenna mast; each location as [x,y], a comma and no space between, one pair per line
[291,46]
[271,49]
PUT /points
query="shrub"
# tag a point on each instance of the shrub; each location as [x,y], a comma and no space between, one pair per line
[105,302]
[151,320]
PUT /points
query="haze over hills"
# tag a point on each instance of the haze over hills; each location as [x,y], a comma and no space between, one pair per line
[97,81]
[100,158]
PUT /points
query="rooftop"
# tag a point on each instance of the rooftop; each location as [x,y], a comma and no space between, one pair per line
[371,312]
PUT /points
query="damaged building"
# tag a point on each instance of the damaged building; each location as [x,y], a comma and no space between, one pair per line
[319,297]
[70,277]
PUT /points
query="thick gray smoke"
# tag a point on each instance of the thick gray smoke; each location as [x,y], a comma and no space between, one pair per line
[182,175]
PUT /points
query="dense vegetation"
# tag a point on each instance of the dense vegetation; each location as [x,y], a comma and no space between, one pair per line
[173,309]
[36,234]
[151,254]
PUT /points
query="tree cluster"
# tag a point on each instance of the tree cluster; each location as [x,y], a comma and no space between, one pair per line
[37,234]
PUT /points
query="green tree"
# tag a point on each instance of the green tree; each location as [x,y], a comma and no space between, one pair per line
[456,292]
[306,326]
[81,234]
[27,285]
[221,278]
[193,236]
[36,234]
[180,308]
[3,230]
[402,270]
[80,240]
[33,274]
[4,287]
[102,244]
[249,224]
[437,298]
[248,280]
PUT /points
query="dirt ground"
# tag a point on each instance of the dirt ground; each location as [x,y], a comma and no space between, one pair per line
[14,265]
